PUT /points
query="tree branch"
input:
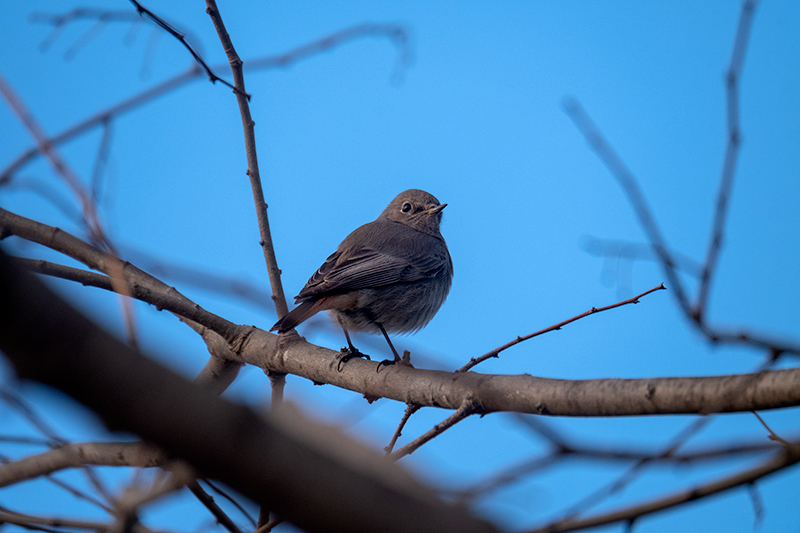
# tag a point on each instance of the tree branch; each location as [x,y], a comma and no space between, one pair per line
[252,160]
[289,354]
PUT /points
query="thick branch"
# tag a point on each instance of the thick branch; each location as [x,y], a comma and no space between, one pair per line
[289,354]
[527,394]
[142,285]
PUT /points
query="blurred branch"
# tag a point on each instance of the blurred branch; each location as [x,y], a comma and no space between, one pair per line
[101,161]
[522,469]
[731,155]
[55,524]
[78,455]
[91,218]
[231,500]
[594,310]
[637,251]
[779,461]
[630,186]
[395,33]
[215,510]
[60,21]
[45,191]
[231,284]
[60,167]
[71,489]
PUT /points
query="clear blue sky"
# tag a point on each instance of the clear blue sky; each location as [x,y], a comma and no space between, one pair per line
[477,119]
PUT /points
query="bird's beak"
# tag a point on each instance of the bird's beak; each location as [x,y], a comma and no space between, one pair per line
[437,209]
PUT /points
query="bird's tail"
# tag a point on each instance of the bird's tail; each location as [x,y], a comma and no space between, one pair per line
[296,316]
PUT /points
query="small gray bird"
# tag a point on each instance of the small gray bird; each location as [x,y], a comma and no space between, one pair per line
[389,276]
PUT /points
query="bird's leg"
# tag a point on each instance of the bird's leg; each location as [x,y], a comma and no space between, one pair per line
[351,351]
[397,358]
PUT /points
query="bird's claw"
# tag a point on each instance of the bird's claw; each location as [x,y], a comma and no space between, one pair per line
[405,360]
[350,353]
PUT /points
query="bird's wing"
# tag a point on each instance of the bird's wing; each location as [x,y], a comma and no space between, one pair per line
[368,269]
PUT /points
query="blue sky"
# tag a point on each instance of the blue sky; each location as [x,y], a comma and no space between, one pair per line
[477,119]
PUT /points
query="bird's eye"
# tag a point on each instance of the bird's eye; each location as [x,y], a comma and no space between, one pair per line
[406,207]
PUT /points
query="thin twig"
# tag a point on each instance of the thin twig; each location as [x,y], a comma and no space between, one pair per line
[161,23]
[468,407]
[594,310]
[252,160]
[410,410]
[772,435]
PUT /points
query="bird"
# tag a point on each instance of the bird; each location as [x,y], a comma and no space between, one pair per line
[390,275]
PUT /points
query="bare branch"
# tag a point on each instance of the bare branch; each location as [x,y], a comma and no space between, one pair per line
[233,502]
[161,23]
[88,206]
[468,407]
[410,410]
[252,160]
[142,285]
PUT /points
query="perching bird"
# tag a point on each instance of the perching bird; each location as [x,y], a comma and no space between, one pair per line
[389,276]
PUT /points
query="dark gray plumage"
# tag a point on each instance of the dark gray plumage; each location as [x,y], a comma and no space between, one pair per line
[390,275]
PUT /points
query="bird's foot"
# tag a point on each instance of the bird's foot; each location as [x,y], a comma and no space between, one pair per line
[405,361]
[349,353]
